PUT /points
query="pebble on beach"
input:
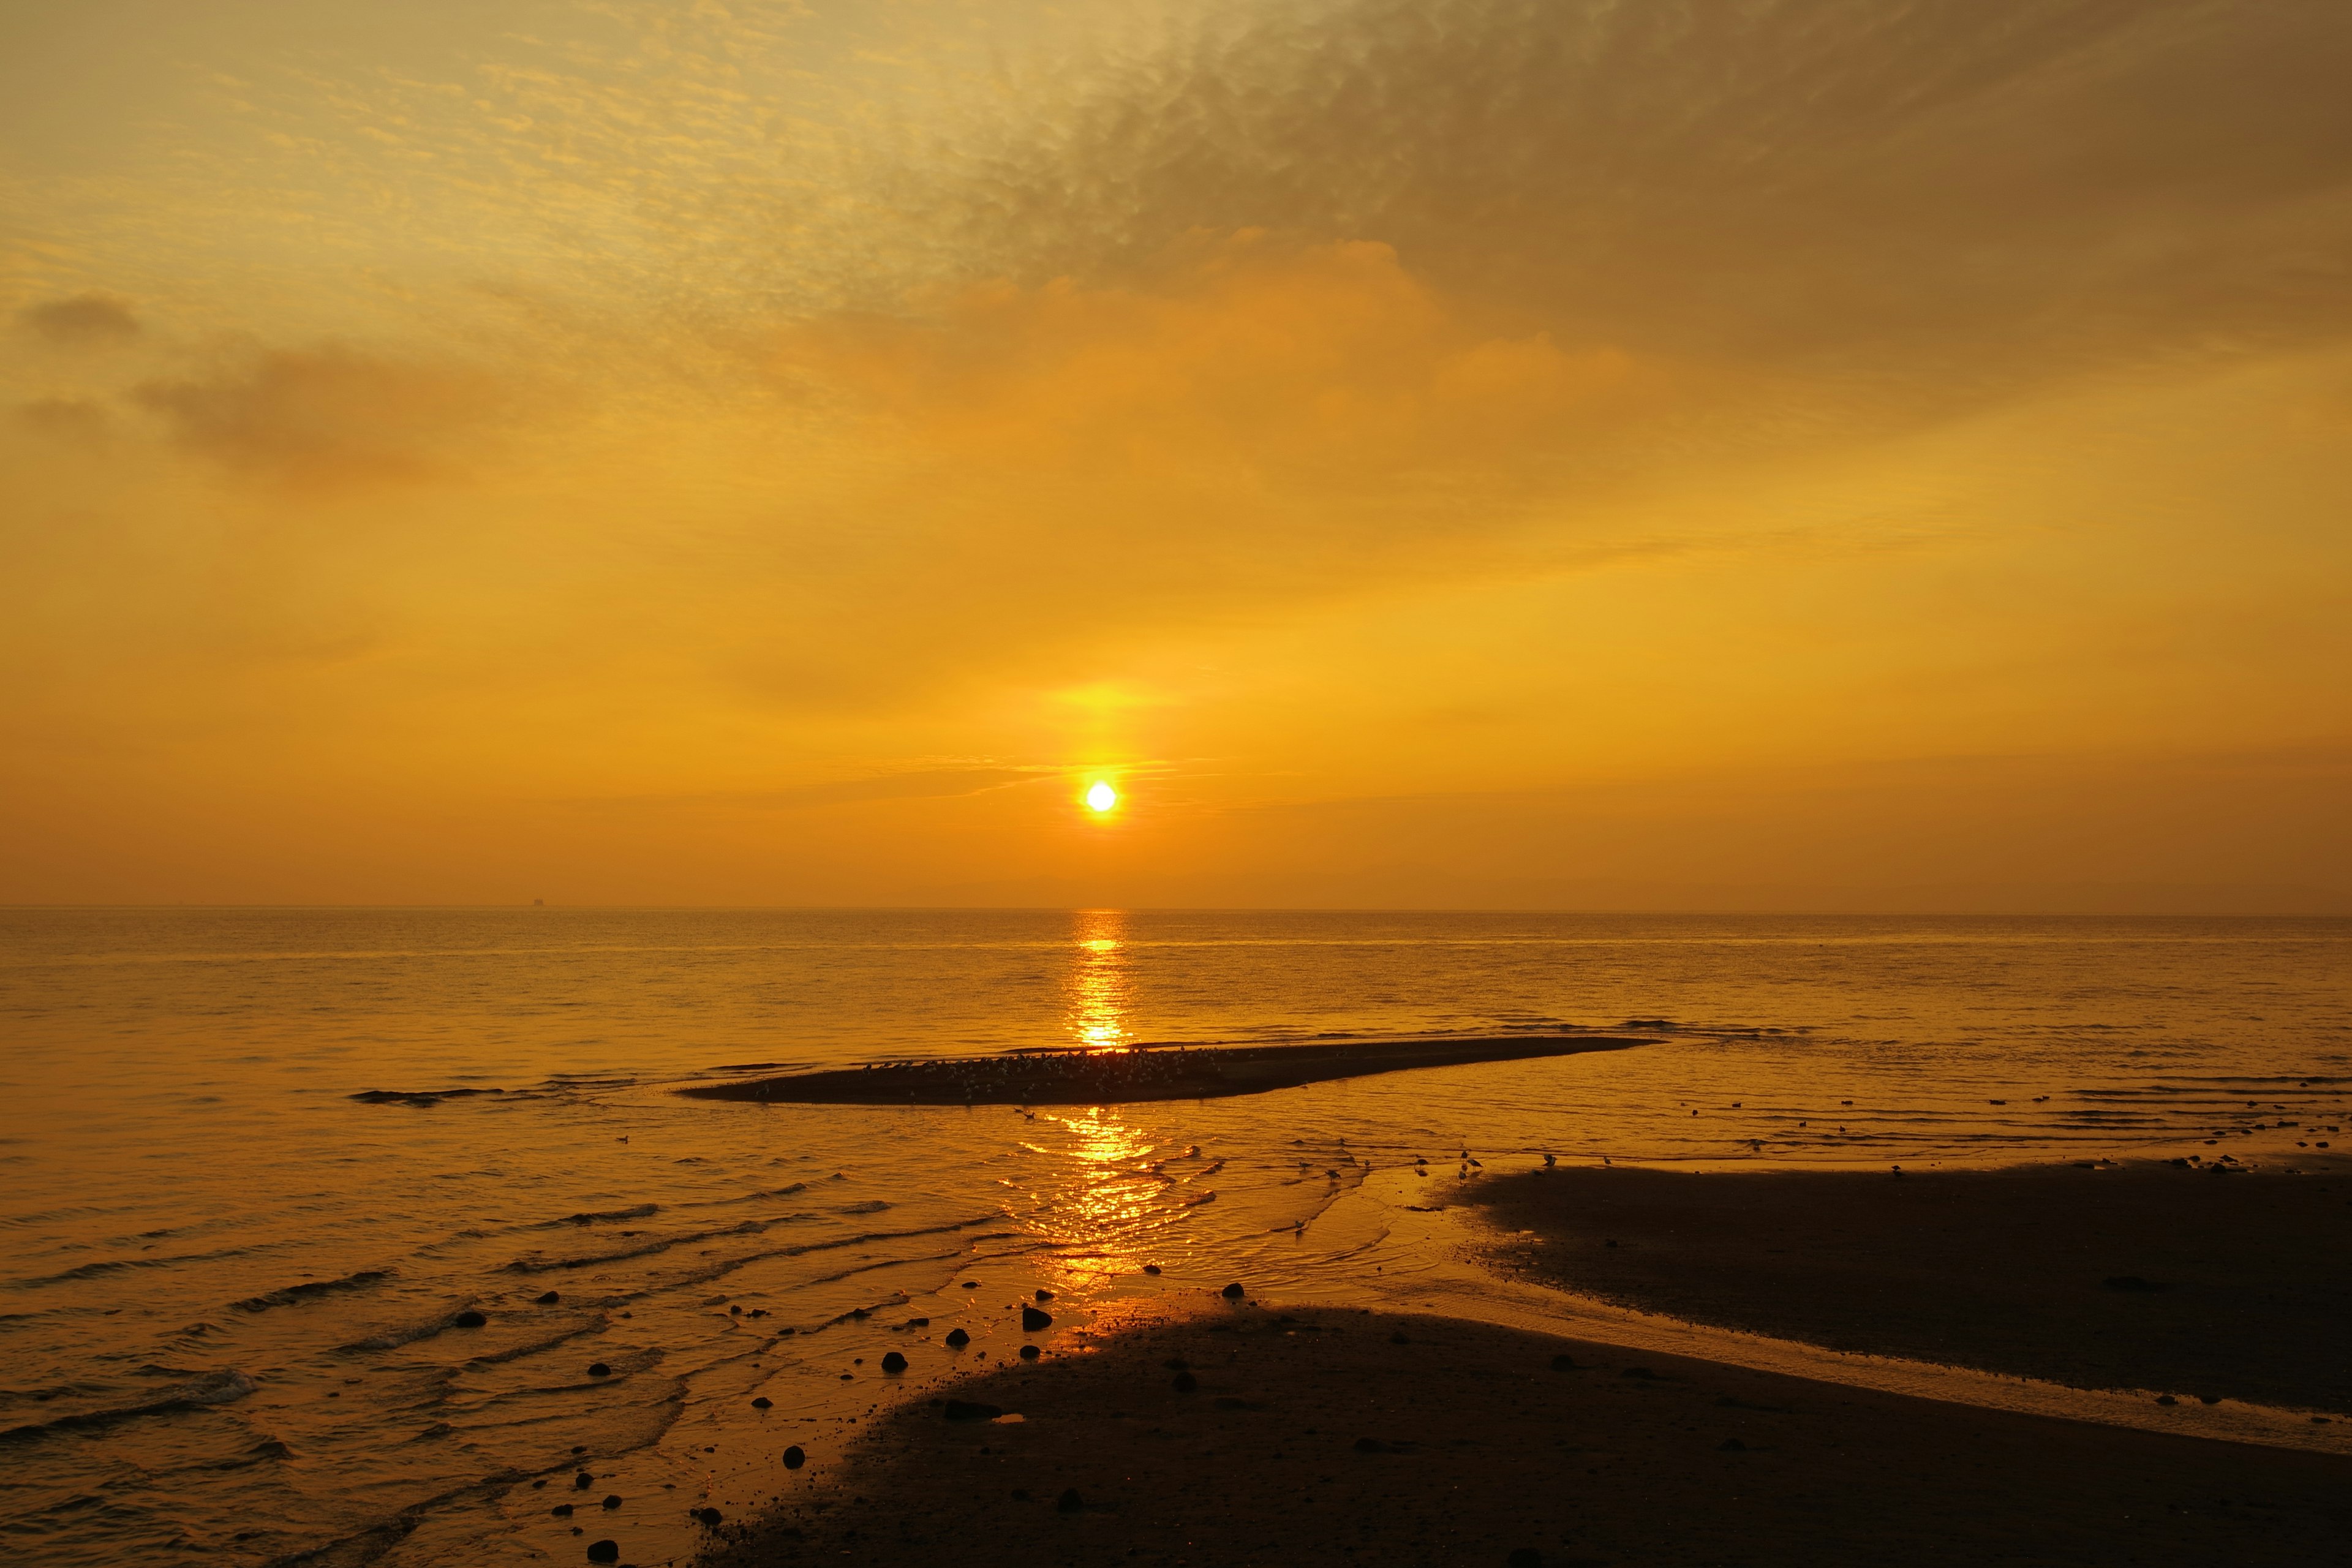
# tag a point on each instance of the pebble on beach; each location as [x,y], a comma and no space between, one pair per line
[894,1361]
[795,1459]
[598,1369]
[604,1552]
[1232,1292]
[1032,1319]
[469,1320]
[957,1339]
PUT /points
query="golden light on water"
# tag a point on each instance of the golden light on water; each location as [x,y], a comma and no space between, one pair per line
[1100,796]
[1097,984]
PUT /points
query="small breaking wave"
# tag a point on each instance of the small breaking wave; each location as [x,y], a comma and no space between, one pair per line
[311,1289]
[408,1334]
[120,1264]
[212,1388]
[535,1263]
[419,1096]
[593,1216]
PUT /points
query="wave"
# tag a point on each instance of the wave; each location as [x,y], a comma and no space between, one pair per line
[311,1289]
[392,1339]
[516,1352]
[212,1388]
[591,1216]
[729,1265]
[417,1096]
[120,1264]
[537,1264]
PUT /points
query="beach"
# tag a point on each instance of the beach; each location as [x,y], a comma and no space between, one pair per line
[321,1221]
[1308,1436]
[2142,1276]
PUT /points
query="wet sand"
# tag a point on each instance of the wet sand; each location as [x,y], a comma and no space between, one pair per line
[1332,1436]
[2144,1276]
[1124,1077]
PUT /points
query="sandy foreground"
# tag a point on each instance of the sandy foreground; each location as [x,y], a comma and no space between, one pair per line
[1204,1431]
[1315,1437]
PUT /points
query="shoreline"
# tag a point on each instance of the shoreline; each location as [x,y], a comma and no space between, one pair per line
[1140,1074]
[1340,1435]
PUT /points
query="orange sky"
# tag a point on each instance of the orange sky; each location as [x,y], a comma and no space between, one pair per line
[1831,455]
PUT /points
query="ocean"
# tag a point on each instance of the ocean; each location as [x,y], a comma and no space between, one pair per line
[233,1291]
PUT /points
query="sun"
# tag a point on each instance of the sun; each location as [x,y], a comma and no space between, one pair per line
[1100,796]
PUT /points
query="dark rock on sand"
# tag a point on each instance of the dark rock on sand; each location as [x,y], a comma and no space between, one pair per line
[1151,1268]
[562,1510]
[1232,1292]
[1032,1319]
[957,1339]
[972,1410]
[1028,1353]
[763,1402]
[894,1361]
[604,1552]
[1069,1502]
[795,1459]
[612,1499]
[708,1518]
[583,1482]
[549,1298]
[469,1320]
[598,1369]
[1043,1294]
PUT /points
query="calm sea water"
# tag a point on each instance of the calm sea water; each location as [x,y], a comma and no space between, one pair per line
[229,1290]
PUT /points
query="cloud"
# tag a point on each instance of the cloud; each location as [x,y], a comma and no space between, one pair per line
[329,417]
[1242,358]
[920,783]
[64,419]
[82,321]
[1926,204]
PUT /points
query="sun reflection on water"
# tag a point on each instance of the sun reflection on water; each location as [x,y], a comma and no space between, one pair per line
[1097,983]
[1114,1197]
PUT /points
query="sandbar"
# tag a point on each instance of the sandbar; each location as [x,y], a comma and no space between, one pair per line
[1144,1073]
[2139,1276]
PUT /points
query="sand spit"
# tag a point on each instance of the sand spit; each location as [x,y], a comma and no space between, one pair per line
[1232,1434]
[2144,1276]
[1158,1072]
